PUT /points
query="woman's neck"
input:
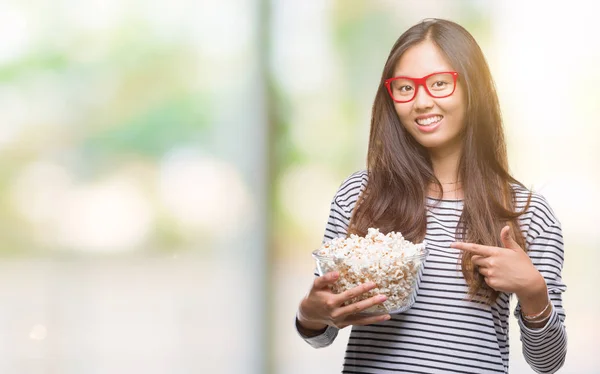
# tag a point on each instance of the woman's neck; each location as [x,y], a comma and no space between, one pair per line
[445,168]
[445,165]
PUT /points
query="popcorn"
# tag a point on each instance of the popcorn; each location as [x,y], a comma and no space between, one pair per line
[390,261]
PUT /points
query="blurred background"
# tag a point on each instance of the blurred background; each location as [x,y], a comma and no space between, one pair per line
[166,168]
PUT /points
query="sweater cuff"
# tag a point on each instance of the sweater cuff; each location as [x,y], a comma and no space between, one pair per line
[319,341]
[538,331]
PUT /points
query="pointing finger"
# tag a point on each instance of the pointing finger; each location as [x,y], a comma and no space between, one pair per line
[477,249]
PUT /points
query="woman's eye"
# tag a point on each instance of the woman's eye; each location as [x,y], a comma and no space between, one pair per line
[440,84]
[405,88]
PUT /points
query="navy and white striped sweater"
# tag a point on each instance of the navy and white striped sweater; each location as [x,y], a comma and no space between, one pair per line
[444,332]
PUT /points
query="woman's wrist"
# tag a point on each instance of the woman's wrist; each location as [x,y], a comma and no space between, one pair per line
[305,324]
[540,319]
[534,297]
[312,326]
[535,304]
[310,330]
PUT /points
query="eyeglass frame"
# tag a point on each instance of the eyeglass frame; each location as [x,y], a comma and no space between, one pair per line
[420,82]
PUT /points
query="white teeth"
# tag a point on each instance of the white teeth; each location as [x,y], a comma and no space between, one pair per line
[429,121]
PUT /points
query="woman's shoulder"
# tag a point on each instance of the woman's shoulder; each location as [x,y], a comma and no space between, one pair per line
[350,188]
[356,179]
[538,207]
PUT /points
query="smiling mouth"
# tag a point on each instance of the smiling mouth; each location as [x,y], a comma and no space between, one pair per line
[429,121]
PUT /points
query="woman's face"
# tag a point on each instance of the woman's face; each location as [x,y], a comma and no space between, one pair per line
[436,123]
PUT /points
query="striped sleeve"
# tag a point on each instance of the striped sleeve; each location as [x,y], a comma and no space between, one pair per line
[545,348]
[342,205]
[337,226]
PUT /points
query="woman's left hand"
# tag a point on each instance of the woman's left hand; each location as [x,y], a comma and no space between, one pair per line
[506,269]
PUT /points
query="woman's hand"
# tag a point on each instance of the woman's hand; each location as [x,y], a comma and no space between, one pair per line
[508,269]
[321,307]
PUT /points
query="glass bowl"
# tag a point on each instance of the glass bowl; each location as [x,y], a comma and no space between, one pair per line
[398,279]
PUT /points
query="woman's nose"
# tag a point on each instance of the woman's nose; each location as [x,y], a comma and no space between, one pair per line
[422,99]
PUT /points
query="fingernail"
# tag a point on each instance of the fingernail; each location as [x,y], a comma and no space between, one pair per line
[387,317]
[334,275]
[382,298]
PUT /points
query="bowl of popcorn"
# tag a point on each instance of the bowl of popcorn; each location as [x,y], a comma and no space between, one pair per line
[393,263]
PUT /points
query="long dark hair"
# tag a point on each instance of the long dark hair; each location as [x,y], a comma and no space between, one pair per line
[400,169]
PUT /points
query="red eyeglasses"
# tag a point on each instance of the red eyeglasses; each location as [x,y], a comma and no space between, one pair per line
[438,85]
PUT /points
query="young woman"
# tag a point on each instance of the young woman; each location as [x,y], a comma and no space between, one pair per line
[437,171]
